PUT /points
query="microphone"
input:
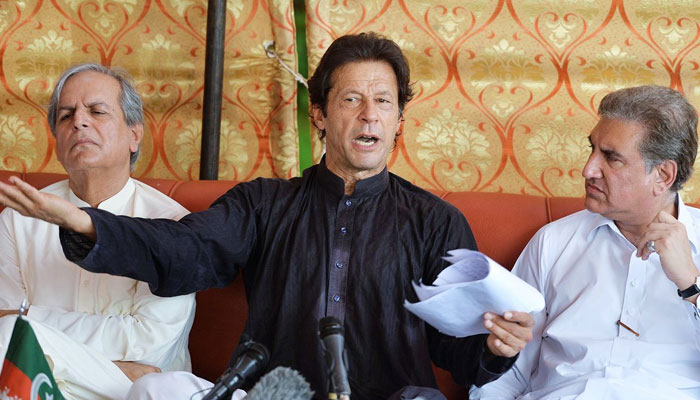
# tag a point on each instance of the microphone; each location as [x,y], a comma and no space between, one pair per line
[331,333]
[281,383]
[251,362]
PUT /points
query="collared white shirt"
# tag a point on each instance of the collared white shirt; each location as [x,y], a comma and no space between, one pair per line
[116,316]
[591,277]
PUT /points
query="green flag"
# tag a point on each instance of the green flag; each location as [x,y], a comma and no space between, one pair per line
[25,372]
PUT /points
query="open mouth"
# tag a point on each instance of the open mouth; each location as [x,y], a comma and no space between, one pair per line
[367,141]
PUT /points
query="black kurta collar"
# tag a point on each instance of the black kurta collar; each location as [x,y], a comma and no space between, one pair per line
[364,188]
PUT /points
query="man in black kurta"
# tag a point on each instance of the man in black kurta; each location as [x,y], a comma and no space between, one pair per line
[306,250]
[345,240]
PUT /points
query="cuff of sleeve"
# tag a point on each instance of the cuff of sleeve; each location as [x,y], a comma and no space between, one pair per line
[75,246]
[693,309]
[491,366]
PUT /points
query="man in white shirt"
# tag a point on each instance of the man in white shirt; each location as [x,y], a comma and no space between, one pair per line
[99,332]
[619,278]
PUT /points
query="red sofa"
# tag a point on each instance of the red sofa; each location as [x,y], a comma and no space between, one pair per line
[502,225]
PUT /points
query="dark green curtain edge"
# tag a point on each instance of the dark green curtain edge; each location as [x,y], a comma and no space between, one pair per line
[303,126]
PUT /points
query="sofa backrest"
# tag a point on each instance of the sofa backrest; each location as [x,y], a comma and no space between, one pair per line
[501,223]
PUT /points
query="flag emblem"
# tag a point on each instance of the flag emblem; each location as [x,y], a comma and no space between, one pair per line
[25,373]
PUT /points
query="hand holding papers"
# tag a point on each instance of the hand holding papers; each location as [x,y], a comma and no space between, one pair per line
[464,291]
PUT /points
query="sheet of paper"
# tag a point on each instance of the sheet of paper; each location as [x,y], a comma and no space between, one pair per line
[464,291]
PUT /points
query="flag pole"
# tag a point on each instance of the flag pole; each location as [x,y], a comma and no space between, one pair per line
[22,308]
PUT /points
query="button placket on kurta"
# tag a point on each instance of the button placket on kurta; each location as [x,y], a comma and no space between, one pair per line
[336,300]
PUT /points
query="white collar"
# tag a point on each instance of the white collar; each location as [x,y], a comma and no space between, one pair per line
[111,204]
[683,216]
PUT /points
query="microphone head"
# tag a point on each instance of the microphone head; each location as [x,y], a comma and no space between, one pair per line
[258,351]
[329,326]
[252,361]
[248,365]
[281,383]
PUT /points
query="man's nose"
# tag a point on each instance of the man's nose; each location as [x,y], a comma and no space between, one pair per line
[592,168]
[80,119]
[369,111]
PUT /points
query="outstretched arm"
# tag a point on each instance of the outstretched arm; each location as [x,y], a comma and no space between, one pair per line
[30,202]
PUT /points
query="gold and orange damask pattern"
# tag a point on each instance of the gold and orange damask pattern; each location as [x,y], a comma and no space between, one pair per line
[507,91]
[162,44]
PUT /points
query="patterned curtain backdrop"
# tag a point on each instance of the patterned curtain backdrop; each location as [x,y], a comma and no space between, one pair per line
[506,90]
[162,44]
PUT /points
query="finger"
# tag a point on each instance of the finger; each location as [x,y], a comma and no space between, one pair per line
[660,233]
[497,347]
[660,227]
[666,218]
[11,192]
[643,244]
[5,190]
[522,318]
[3,197]
[643,248]
[28,190]
[11,197]
[651,234]
[495,321]
[511,334]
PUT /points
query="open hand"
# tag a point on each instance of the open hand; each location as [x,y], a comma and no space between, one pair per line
[30,202]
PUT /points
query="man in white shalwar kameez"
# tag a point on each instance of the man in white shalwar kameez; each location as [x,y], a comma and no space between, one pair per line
[621,278]
[99,332]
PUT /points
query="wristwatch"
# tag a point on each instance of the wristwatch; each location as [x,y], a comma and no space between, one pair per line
[691,291]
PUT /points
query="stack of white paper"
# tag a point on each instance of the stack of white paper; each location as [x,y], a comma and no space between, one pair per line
[464,291]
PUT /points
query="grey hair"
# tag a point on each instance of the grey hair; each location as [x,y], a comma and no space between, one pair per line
[131,104]
[670,122]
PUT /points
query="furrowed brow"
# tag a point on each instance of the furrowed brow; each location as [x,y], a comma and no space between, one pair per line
[386,92]
[97,104]
[66,108]
[611,153]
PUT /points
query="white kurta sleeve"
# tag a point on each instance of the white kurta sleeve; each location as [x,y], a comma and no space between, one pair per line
[12,289]
[154,332]
[517,380]
[694,313]
[690,218]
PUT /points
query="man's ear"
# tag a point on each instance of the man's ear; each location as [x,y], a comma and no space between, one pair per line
[318,118]
[135,138]
[666,173]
